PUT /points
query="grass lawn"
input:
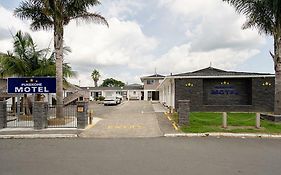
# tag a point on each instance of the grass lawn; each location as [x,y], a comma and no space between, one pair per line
[201,122]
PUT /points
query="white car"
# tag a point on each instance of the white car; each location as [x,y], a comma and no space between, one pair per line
[112,100]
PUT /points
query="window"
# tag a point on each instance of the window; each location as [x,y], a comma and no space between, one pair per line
[150,81]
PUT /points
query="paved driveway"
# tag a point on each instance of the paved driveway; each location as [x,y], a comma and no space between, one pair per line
[131,119]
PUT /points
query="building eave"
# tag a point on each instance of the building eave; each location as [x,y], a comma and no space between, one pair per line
[208,77]
[224,76]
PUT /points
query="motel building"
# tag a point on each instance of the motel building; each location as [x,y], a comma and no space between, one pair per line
[150,84]
[216,90]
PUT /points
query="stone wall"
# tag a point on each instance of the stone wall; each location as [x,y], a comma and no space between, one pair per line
[223,95]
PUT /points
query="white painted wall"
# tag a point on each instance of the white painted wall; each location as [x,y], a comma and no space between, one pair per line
[167,93]
[134,94]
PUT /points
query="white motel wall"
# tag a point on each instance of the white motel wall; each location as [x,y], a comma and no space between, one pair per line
[167,92]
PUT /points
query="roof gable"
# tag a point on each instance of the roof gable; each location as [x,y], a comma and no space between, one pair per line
[155,76]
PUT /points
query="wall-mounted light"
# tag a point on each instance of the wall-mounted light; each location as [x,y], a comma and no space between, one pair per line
[225,83]
[189,84]
[266,84]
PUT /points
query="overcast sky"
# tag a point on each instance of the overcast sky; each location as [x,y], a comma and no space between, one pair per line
[173,36]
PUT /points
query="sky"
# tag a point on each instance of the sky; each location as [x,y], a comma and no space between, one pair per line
[144,36]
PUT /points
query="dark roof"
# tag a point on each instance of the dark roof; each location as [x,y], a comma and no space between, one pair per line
[210,71]
[156,76]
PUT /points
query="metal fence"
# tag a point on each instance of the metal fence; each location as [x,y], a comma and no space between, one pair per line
[20,117]
[69,120]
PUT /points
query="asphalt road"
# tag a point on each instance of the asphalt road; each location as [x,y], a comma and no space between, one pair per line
[150,156]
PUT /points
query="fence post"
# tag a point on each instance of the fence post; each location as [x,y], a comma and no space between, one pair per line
[258,120]
[18,106]
[91,117]
[40,112]
[82,114]
[184,110]
[224,120]
[3,114]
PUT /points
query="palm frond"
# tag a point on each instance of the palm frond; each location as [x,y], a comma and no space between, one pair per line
[91,17]
[37,11]
[258,13]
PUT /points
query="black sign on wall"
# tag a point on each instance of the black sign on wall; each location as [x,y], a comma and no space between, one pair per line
[227,91]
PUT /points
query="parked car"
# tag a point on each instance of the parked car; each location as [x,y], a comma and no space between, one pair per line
[112,100]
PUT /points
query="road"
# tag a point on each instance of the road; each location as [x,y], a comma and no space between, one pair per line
[151,156]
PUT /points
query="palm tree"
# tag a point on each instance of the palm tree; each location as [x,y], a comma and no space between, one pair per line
[26,60]
[95,76]
[55,14]
[265,15]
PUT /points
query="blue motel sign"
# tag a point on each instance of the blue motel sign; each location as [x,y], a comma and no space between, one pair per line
[31,85]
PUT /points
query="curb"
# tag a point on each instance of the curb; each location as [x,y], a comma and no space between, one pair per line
[176,127]
[38,136]
[233,135]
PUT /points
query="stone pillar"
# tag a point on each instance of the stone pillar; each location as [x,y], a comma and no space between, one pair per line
[82,114]
[3,114]
[40,115]
[184,112]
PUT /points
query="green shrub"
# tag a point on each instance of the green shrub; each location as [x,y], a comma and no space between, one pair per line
[101,98]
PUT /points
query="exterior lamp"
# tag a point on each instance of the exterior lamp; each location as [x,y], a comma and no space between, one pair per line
[225,83]
[189,84]
[266,84]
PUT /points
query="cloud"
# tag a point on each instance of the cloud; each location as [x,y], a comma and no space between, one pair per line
[183,59]
[170,35]
[120,44]
[122,9]
[212,25]
[94,46]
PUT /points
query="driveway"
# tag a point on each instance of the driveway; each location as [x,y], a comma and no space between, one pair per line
[130,119]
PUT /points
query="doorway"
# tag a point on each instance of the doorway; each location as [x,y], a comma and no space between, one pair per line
[155,95]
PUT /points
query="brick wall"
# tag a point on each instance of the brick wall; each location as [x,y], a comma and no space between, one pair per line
[245,95]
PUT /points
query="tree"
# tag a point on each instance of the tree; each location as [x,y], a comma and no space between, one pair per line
[110,82]
[95,76]
[55,14]
[26,60]
[265,15]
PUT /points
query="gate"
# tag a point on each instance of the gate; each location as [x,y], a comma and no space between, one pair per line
[19,119]
[69,120]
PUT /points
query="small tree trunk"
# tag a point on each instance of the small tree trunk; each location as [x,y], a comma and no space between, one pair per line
[38,97]
[96,83]
[58,44]
[277,105]
[25,104]
[14,105]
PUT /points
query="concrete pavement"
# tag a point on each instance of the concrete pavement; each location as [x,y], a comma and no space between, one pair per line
[131,119]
